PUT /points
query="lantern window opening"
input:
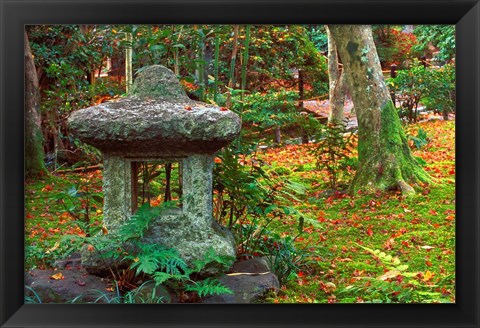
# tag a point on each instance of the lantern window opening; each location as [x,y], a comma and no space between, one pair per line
[156,181]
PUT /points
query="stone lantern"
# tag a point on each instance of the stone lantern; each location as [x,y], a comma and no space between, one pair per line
[158,121]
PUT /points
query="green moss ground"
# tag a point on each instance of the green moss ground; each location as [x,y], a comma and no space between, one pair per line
[419,230]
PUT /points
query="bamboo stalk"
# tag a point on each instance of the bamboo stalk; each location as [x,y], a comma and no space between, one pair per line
[231,74]
[128,62]
[245,58]
[201,63]
[215,69]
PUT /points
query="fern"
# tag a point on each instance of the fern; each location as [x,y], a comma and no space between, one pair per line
[174,265]
[211,257]
[141,220]
[209,286]
[162,277]
[163,264]
[153,257]
[395,285]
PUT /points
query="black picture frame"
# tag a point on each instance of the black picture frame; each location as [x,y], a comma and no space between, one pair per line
[14,14]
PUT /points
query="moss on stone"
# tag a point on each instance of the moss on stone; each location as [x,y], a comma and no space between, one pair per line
[158,82]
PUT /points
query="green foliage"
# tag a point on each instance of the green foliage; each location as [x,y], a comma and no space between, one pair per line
[412,85]
[151,44]
[153,257]
[67,58]
[210,257]
[208,286]
[434,87]
[80,201]
[396,285]
[136,296]
[282,256]
[135,228]
[318,35]
[441,95]
[420,140]
[161,263]
[44,255]
[249,197]
[276,51]
[440,36]
[34,298]
[332,153]
[65,54]
[269,110]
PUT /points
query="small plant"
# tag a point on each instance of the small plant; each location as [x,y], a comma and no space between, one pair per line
[332,152]
[208,286]
[282,256]
[80,201]
[139,295]
[396,284]
[34,298]
[420,140]
[167,267]
[245,193]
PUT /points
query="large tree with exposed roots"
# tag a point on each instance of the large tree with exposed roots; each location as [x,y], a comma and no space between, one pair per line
[385,159]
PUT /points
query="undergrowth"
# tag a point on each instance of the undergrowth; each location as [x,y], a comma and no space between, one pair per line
[337,228]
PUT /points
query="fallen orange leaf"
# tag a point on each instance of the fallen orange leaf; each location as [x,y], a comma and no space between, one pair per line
[427,276]
[57,276]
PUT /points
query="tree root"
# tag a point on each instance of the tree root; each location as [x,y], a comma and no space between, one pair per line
[405,188]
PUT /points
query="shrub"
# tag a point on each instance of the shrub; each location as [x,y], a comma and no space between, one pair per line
[332,153]
[81,201]
[247,198]
[434,87]
[282,256]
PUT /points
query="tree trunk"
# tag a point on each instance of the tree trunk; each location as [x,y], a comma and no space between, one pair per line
[278,136]
[231,77]
[385,160]
[301,96]
[34,164]
[168,176]
[337,83]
